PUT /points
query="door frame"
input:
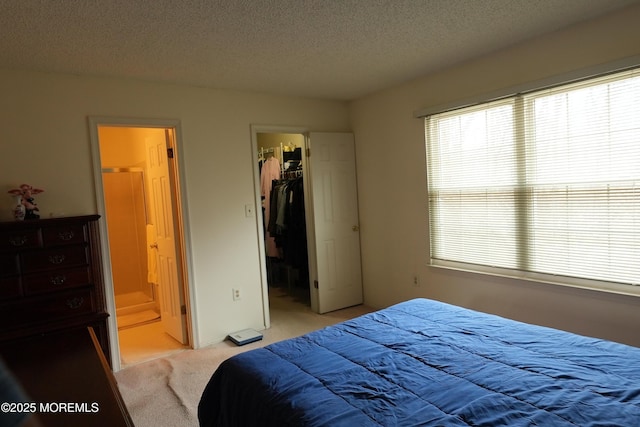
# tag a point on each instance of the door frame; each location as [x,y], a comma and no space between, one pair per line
[180,214]
[264,282]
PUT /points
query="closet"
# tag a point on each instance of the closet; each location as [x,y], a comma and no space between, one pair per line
[283,212]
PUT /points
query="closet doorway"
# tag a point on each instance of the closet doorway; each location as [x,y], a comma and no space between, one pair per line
[144,240]
[327,173]
[282,200]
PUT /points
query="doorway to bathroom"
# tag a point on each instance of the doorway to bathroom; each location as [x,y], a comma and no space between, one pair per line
[143,229]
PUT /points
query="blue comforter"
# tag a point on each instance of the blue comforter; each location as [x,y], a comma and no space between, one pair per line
[426,363]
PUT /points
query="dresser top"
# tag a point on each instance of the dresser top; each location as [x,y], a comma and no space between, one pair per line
[46,222]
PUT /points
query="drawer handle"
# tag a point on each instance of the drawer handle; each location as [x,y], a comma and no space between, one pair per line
[58,280]
[75,303]
[66,235]
[18,240]
[56,259]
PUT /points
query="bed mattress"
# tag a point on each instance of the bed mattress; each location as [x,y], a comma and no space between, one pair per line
[427,363]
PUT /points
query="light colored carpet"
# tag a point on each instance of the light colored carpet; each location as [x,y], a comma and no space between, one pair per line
[166,391]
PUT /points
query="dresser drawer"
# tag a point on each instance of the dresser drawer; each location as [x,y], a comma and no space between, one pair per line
[54,307]
[55,258]
[51,277]
[55,280]
[10,287]
[64,235]
[9,265]
[20,239]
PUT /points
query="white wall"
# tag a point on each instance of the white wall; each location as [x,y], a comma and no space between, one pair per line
[46,143]
[392,185]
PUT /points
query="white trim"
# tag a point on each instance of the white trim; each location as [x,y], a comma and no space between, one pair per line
[310,225]
[94,122]
[557,80]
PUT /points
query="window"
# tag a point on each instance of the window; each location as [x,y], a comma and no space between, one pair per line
[541,185]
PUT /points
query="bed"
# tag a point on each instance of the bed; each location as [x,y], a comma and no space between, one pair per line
[427,363]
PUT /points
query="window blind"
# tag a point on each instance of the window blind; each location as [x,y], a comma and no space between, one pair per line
[546,182]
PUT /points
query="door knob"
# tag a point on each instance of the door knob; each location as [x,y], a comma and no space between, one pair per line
[355,228]
[153,246]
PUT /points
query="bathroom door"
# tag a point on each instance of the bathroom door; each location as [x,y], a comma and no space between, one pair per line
[172,305]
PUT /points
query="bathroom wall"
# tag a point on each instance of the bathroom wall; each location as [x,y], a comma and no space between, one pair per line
[126,218]
[127,211]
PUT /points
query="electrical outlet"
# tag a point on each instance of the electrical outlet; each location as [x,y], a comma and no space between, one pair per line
[416,281]
[236,294]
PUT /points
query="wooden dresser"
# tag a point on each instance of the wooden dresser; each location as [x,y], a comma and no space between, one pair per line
[51,278]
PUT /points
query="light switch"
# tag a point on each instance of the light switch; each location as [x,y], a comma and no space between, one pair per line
[248,211]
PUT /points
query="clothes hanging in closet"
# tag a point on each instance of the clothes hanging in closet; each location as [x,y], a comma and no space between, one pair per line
[270,171]
[287,223]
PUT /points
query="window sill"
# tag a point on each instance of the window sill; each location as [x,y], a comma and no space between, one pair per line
[572,282]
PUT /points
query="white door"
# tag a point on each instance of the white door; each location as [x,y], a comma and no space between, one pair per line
[332,172]
[168,267]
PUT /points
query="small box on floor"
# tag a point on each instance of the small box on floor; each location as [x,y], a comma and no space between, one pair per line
[245,336]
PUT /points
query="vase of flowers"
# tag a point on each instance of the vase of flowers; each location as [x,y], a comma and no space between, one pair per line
[29,209]
[19,209]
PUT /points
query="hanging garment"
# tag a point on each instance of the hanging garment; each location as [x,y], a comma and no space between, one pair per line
[287,225]
[277,192]
[281,207]
[297,254]
[270,171]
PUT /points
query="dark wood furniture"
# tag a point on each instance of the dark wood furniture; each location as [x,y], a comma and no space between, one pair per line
[51,278]
[67,376]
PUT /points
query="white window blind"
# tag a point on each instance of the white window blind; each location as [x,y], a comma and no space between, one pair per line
[545,183]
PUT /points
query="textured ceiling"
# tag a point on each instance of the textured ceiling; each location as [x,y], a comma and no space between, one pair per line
[337,49]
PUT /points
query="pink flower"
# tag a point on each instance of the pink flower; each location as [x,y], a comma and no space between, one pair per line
[26,191]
